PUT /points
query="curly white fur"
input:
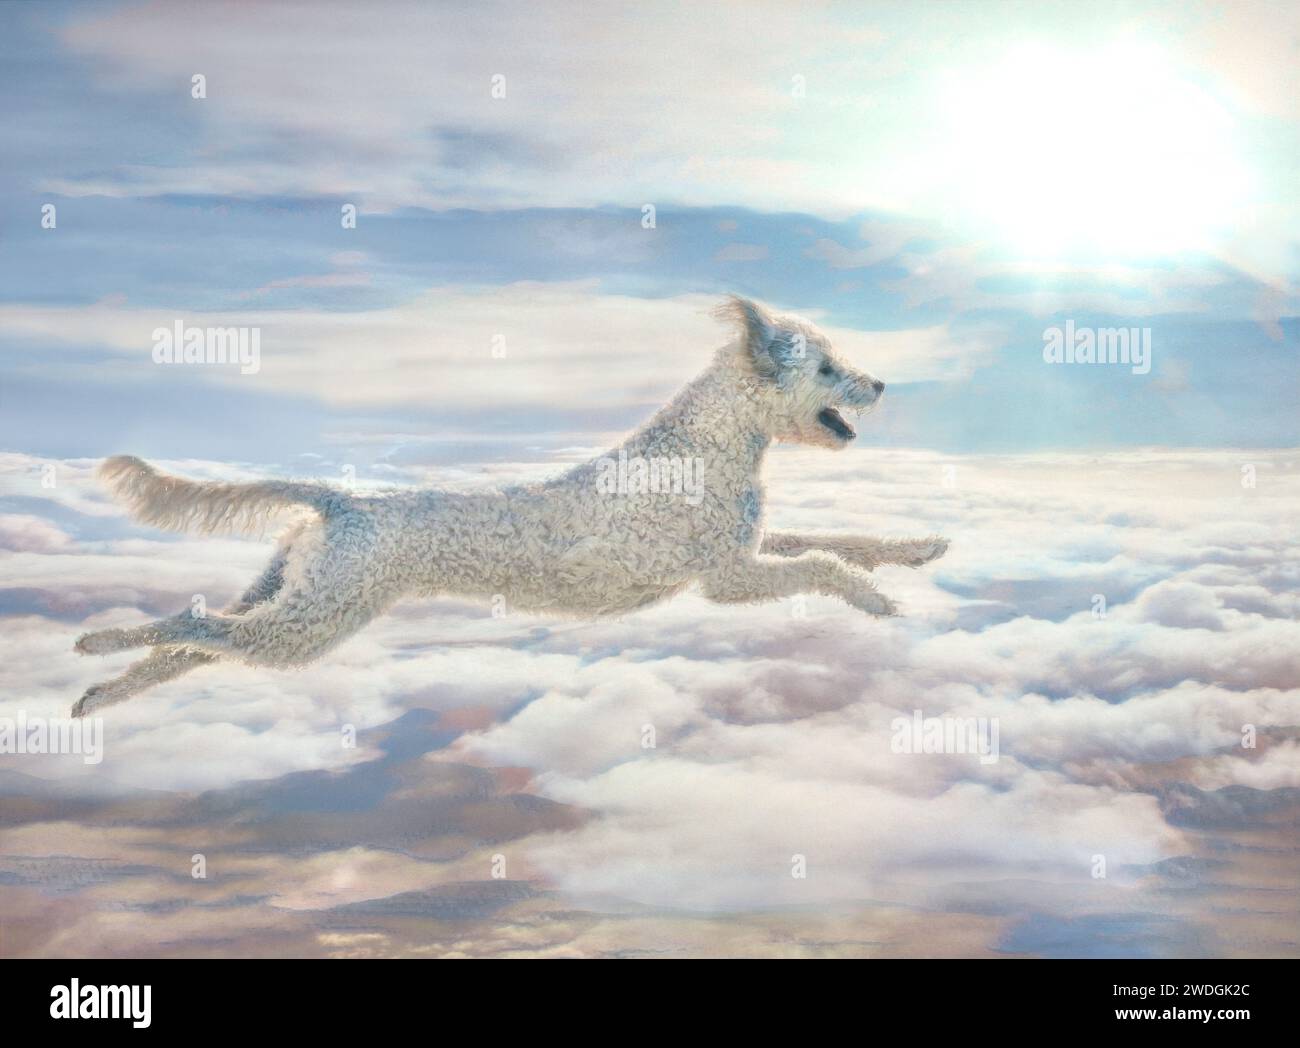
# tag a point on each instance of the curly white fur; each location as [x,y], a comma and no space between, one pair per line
[580,544]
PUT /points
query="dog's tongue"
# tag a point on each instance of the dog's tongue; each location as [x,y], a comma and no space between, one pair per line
[834,421]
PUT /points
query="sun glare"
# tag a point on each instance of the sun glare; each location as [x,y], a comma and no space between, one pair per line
[1109,151]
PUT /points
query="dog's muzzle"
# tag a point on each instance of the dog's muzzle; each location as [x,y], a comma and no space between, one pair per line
[858,401]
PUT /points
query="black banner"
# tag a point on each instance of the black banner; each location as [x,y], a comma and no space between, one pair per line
[144,997]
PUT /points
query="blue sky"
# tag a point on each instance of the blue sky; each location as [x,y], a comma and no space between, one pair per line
[175,206]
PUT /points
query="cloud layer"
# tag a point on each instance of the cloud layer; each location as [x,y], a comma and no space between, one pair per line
[652,783]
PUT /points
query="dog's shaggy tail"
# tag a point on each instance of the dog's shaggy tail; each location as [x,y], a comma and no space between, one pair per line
[207,506]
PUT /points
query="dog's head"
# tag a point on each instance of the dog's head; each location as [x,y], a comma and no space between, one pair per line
[801,382]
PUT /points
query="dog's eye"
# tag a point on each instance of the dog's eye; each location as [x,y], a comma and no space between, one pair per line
[825,369]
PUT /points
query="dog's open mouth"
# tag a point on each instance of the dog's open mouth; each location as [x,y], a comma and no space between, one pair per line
[834,421]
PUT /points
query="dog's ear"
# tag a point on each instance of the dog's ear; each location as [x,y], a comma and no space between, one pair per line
[760,335]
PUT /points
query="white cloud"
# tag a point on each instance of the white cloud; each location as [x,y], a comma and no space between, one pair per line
[772,733]
[844,116]
[550,346]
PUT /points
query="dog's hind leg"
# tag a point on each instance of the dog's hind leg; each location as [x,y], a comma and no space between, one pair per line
[167,662]
[862,550]
[297,627]
[163,664]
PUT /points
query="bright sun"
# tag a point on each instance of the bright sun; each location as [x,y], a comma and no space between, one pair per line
[1109,151]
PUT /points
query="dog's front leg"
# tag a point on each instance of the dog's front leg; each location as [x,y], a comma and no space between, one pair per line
[862,550]
[745,580]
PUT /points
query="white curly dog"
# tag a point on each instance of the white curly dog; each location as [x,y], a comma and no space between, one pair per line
[614,534]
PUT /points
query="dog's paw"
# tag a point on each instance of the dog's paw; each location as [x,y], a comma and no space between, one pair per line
[101,642]
[923,551]
[874,603]
[96,695]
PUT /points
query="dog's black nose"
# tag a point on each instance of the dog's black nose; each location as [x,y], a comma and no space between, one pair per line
[878,386]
